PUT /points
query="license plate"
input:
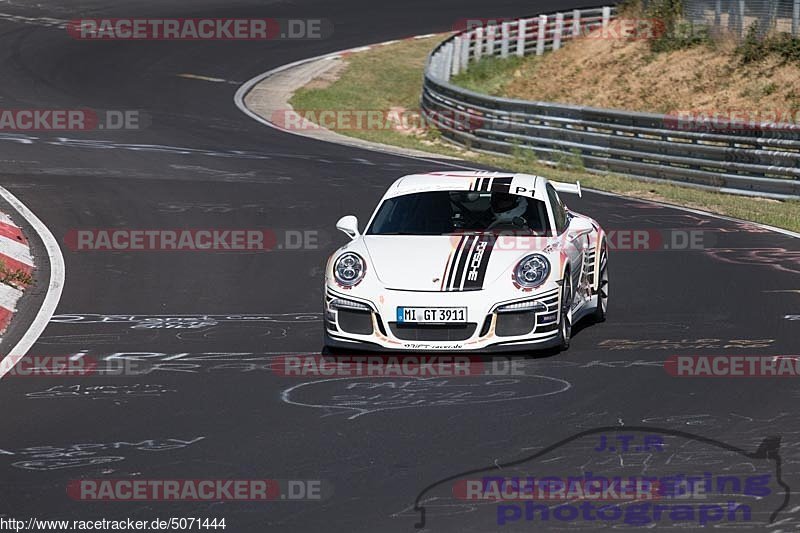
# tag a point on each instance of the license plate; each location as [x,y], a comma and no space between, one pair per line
[431,315]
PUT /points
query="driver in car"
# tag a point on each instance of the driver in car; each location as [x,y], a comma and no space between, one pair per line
[506,207]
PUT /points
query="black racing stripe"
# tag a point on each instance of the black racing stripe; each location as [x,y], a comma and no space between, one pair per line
[461,274]
[455,285]
[452,265]
[449,268]
[478,262]
[458,259]
[484,184]
[501,185]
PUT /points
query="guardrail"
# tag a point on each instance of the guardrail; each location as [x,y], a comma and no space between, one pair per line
[763,160]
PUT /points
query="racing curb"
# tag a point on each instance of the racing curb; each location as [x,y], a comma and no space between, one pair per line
[37,303]
[15,257]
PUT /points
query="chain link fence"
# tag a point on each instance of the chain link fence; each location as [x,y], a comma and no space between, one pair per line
[735,17]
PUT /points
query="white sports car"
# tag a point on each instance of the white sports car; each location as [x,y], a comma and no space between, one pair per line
[463,261]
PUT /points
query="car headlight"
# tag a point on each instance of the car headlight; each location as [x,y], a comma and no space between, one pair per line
[349,269]
[532,271]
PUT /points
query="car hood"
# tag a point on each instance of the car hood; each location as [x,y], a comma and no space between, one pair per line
[446,263]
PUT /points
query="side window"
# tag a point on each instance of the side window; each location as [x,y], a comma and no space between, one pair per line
[559,213]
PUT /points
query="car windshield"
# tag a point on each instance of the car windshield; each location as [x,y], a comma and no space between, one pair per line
[447,212]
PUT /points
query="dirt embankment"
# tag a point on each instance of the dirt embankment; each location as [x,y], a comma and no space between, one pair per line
[615,73]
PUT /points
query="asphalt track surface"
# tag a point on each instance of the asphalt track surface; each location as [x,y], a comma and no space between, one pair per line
[229,416]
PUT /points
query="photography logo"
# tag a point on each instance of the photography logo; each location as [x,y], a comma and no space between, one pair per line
[617,477]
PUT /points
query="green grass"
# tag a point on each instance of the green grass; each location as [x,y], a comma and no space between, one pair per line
[391,76]
[488,75]
[755,48]
[379,79]
[15,278]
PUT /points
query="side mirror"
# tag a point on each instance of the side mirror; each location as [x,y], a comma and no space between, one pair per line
[579,226]
[349,225]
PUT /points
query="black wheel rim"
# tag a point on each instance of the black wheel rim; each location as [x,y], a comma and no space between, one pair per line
[566,309]
[602,289]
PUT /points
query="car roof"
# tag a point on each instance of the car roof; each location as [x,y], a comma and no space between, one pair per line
[520,184]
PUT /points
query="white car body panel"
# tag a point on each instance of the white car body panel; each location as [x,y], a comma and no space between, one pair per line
[472,270]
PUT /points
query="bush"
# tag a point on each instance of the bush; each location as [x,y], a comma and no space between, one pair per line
[681,35]
[678,33]
[785,46]
[752,48]
[755,48]
[668,11]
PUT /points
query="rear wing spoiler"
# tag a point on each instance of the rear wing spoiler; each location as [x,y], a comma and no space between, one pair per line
[572,188]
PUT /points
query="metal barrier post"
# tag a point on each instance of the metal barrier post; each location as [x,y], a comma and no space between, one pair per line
[559,31]
[541,35]
[521,30]
[490,31]
[742,27]
[456,66]
[576,22]
[464,63]
[448,61]
[796,18]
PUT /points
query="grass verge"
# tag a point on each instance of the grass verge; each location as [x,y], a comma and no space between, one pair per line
[715,77]
[15,278]
[390,77]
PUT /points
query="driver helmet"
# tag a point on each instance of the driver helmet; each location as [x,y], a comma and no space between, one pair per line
[504,202]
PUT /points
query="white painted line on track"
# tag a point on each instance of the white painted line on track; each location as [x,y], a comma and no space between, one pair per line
[189,76]
[54,289]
